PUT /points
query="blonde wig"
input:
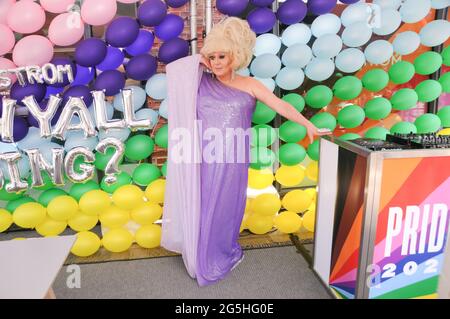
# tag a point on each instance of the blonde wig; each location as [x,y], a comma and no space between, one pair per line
[233,36]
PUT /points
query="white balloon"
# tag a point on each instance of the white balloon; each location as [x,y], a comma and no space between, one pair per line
[320,69]
[327,46]
[267,43]
[243,72]
[406,42]
[357,34]
[440,4]
[268,83]
[290,78]
[163,109]
[435,33]
[297,56]
[265,65]
[379,52]
[413,11]
[350,60]
[390,21]
[326,24]
[385,4]
[357,12]
[296,33]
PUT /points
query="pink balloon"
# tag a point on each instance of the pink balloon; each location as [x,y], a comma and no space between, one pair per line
[26,17]
[8,39]
[66,29]
[33,50]
[4,8]
[98,12]
[6,64]
[57,6]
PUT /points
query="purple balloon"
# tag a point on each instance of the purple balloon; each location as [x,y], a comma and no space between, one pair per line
[141,67]
[90,52]
[176,3]
[171,27]
[152,12]
[232,7]
[261,20]
[111,81]
[64,61]
[262,3]
[18,92]
[122,32]
[84,75]
[43,106]
[349,1]
[114,59]
[319,7]
[173,50]
[51,90]
[143,43]
[292,11]
[78,91]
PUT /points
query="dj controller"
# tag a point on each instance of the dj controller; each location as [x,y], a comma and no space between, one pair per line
[405,141]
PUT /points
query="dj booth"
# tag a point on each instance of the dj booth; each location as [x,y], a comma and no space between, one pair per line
[382,217]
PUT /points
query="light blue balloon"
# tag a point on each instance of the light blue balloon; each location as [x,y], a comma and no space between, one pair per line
[356,34]
[440,4]
[267,43]
[385,4]
[265,65]
[297,56]
[243,72]
[406,42]
[145,114]
[413,11]
[46,150]
[319,69]
[76,138]
[379,52]
[109,111]
[326,24]
[268,83]
[357,12]
[296,33]
[435,33]
[156,86]
[31,140]
[23,165]
[390,20]
[121,134]
[7,147]
[327,46]
[139,98]
[290,78]
[163,109]
[350,60]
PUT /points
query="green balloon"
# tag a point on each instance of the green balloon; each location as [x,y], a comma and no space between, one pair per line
[313,150]
[375,80]
[139,147]
[49,194]
[445,82]
[377,132]
[161,137]
[101,160]
[324,120]
[78,189]
[401,72]
[319,96]
[261,157]
[12,205]
[46,179]
[164,169]
[263,114]
[122,179]
[427,123]
[291,154]
[145,173]
[428,90]
[349,136]
[77,162]
[347,88]
[351,116]
[428,63]
[291,132]
[4,195]
[378,108]
[403,128]
[263,135]
[446,56]
[295,100]
[444,115]
[404,99]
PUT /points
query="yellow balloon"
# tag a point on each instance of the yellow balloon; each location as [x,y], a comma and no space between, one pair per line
[259,224]
[51,227]
[266,204]
[290,175]
[155,191]
[128,197]
[146,213]
[82,222]
[117,240]
[312,208]
[312,171]
[309,218]
[29,215]
[244,222]
[445,131]
[248,205]
[296,201]
[114,217]
[287,222]
[259,179]
[148,236]
[87,244]
[62,208]
[6,219]
[312,192]
[94,202]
